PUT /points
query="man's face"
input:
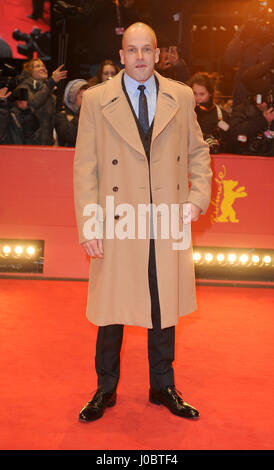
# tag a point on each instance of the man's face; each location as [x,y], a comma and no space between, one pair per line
[139,54]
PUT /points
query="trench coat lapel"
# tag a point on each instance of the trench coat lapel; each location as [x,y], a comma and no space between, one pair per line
[117,111]
[167,106]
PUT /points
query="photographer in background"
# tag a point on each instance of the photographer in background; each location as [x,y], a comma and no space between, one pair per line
[40,97]
[251,44]
[252,122]
[18,121]
[213,120]
[4,115]
[171,65]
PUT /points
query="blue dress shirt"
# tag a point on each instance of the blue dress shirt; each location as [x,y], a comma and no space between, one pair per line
[150,92]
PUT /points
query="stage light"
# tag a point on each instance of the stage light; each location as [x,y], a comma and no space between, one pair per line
[18,250]
[234,264]
[22,256]
[243,258]
[196,256]
[6,249]
[30,250]
[232,258]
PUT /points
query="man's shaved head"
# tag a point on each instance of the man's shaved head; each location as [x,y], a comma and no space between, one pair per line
[135,28]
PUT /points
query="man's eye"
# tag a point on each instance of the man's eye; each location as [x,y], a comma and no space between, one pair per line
[131,50]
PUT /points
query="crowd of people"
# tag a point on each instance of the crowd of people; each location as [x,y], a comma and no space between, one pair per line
[241,124]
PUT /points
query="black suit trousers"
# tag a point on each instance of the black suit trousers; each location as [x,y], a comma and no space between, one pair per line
[161,343]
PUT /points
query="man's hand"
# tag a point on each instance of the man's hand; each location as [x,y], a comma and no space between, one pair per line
[195,212]
[59,74]
[94,248]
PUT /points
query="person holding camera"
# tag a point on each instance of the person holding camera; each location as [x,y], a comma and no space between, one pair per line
[171,65]
[252,122]
[4,115]
[252,43]
[252,125]
[18,120]
[40,97]
[213,120]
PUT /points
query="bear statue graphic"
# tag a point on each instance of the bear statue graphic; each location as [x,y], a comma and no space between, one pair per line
[226,195]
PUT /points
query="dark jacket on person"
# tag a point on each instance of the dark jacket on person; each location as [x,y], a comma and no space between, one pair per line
[43,102]
[17,126]
[22,125]
[179,71]
[245,50]
[4,122]
[208,120]
[247,120]
[66,125]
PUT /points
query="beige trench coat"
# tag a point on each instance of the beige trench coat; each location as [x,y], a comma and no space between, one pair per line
[110,161]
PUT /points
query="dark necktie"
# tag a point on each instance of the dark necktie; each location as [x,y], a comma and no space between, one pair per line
[143,110]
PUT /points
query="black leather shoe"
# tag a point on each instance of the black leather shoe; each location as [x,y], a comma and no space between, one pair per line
[95,408]
[169,397]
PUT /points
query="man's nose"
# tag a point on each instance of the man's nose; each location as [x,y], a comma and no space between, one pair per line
[139,54]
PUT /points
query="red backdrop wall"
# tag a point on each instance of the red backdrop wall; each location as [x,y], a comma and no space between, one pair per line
[37,203]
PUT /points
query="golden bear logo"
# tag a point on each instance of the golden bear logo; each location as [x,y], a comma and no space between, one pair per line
[226,194]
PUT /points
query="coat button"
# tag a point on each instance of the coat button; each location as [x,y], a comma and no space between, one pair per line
[114,162]
[115,188]
[178,158]
[178,186]
[116,217]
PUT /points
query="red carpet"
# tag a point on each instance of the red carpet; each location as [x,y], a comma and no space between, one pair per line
[224,367]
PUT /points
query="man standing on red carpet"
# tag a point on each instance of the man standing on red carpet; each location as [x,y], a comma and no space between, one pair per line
[138,146]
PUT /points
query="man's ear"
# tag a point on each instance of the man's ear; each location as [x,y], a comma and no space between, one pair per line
[157,55]
[121,52]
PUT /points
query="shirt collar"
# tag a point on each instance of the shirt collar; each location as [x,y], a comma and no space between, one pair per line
[132,85]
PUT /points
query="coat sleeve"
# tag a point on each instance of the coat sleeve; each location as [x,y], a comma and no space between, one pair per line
[200,174]
[85,165]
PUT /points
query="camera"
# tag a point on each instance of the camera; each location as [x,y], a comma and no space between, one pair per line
[36,41]
[267,98]
[262,144]
[213,142]
[8,77]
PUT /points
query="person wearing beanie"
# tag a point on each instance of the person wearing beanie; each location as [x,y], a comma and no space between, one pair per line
[66,121]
